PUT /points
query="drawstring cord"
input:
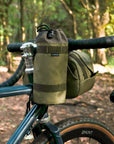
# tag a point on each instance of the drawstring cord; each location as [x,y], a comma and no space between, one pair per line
[45,27]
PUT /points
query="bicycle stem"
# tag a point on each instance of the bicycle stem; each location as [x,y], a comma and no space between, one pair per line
[28,49]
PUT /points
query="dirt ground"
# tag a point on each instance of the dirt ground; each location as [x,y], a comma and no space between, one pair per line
[95,103]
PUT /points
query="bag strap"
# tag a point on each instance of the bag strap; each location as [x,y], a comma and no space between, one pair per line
[69,69]
[82,66]
[28,105]
[50,88]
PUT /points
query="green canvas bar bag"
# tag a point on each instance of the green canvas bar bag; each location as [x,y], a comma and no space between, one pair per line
[50,68]
[80,74]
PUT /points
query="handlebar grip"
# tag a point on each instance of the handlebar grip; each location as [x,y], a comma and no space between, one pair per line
[14,47]
[103,42]
[112,96]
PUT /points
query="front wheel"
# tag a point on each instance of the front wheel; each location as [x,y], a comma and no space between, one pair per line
[80,130]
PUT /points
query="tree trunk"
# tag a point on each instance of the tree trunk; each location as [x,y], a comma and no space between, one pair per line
[98,22]
[72,13]
[74,25]
[6,55]
[100,53]
[35,21]
[99,31]
[23,35]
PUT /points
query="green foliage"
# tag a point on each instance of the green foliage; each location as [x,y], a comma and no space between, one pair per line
[54,14]
[3,58]
[110,26]
[2,63]
[111,61]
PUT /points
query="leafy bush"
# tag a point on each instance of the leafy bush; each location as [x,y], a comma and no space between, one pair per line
[111,61]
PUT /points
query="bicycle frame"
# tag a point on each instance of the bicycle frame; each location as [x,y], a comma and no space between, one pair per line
[26,124]
[30,118]
[15,90]
[35,113]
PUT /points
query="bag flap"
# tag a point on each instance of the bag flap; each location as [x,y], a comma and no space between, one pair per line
[86,59]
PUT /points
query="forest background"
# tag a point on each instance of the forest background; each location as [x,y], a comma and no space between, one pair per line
[79,19]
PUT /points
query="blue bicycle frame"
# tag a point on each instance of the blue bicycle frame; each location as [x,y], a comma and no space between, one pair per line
[35,113]
[30,118]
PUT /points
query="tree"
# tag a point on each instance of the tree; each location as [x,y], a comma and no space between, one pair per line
[71,9]
[23,35]
[5,35]
[79,19]
[99,16]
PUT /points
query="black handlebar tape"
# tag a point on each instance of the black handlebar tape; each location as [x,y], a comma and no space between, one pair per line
[112,96]
[14,47]
[103,42]
[16,76]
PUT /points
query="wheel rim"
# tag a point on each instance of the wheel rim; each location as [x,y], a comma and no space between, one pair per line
[85,134]
[83,140]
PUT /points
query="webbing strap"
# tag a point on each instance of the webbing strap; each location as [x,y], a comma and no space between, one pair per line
[92,72]
[81,64]
[52,49]
[49,88]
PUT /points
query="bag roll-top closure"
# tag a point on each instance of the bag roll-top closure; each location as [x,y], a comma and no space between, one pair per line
[46,45]
[58,36]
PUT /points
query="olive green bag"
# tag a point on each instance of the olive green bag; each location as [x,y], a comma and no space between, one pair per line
[80,74]
[50,68]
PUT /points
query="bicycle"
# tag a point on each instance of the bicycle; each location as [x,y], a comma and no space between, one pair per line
[77,129]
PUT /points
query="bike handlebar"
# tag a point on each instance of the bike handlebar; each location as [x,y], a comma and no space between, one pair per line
[14,47]
[15,77]
[103,42]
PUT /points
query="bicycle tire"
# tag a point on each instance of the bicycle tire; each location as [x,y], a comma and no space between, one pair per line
[79,127]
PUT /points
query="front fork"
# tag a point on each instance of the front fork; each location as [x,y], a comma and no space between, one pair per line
[55,132]
[52,129]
